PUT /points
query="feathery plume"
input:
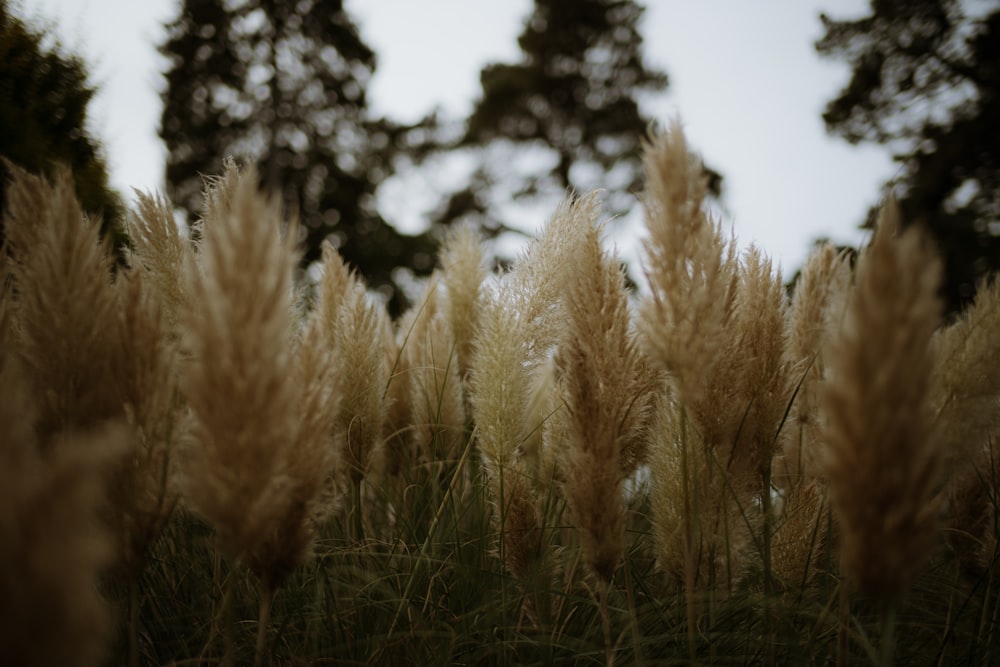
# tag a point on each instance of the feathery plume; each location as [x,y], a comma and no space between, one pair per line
[801,538]
[714,324]
[816,310]
[699,522]
[353,330]
[52,546]
[606,394]
[749,393]
[160,251]
[750,386]
[65,301]
[519,326]
[435,396]
[965,409]
[500,390]
[881,464]
[463,271]
[399,454]
[965,383]
[520,322]
[145,383]
[689,265]
[539,449]
[247,469]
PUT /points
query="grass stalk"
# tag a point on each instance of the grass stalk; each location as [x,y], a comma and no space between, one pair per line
[133,622]
[219,616]
[359,524]
[502,549]
[888,643]
[843,625]
[609,648]
[229,620]
[431,532]
[766,556]
[638,658]
[690,543]
[263,621]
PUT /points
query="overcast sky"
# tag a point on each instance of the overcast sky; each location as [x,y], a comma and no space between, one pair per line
[744,80]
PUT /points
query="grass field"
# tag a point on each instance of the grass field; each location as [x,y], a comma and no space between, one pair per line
[207,460]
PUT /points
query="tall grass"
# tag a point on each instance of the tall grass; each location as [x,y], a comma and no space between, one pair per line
[208,460]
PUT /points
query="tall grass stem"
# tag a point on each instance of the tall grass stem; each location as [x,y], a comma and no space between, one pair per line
[431,532]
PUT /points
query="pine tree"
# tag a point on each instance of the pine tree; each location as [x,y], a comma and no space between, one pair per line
[574,97]
[44,95]
[926,83]
[282,85]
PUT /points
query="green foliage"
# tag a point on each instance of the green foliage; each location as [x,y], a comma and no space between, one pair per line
[926,82]
[44,94]
[282,85]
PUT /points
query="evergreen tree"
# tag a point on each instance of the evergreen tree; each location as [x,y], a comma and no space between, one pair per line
[926,82]
[282,85]
[573,97]
[44,95]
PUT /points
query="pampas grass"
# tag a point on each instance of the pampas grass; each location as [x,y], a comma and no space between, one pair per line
[606,396]
[816,310]
[714,322]
[882,465]
[433,377]
[160,252]
[965,413]
[52,545]
[256,468]
[527,467]
[965,381]
[515,334]
[65,302]
[142,490]
[54,548]
[352,329]
[689,264]
[463,271]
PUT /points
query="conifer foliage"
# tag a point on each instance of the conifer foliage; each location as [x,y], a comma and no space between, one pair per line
[282,85]
[44,97]
[574,97]
[926,83]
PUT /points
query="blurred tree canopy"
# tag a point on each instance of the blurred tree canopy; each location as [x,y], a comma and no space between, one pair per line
[573,98]
[44,96]
[282,85]
[926,82]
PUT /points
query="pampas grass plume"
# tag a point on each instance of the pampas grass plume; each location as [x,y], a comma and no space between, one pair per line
[353,331]
[160,252]
[433,377]
[519,325]
[605,393]
[52,545]
[246,470]
[689,265]
[141,488]
[964,398]
[816,310]
[965,384]
[881,463]
[65,301]
[463,271]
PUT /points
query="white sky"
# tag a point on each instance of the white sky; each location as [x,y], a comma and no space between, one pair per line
[744,79]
